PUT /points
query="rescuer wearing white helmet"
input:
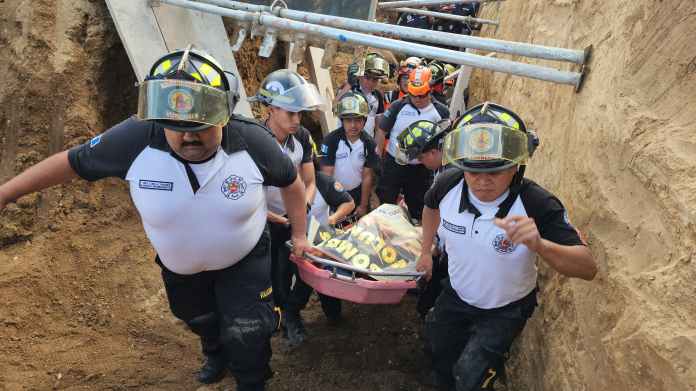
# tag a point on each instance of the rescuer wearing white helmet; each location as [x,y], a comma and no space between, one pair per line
[287,94]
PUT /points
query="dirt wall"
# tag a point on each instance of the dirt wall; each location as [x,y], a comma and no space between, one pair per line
[621,155]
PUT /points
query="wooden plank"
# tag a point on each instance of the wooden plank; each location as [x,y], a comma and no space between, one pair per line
[150,32]
[322,78]
[457,105]
[291,65]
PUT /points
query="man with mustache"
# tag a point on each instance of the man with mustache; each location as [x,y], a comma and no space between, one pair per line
[287,94]
[197,175]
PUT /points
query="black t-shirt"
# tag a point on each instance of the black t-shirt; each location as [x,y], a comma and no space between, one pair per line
[333,193]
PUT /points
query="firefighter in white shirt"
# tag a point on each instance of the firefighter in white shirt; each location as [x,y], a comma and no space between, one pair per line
[492,223]
[410,178]
[374,69]
[196,176]
[287,94]
[348,153]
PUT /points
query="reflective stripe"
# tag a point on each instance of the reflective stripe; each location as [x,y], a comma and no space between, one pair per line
[196,76]
[507,118]
[216,82]
[164,67]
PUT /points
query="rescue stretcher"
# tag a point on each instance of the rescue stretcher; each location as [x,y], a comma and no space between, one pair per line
[351,283]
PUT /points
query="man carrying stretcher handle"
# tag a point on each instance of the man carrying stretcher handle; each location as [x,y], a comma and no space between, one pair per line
[492,223]
[197,175]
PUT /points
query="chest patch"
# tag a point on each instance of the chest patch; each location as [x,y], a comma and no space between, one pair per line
[234,187]
[155,185]
[457,229]
[503,245]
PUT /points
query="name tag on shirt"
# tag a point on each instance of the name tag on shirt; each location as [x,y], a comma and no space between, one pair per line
[155,185]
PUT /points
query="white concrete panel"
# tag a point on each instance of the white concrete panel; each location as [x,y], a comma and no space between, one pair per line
[150,32]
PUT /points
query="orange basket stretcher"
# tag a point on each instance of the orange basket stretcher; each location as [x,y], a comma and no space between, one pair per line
[345,281]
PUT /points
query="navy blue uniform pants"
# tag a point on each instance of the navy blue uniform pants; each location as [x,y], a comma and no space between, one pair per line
[412,180]
[290,293]
[232,311]
[469,344]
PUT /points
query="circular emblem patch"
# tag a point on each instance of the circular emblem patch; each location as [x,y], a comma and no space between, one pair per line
[234,187]
[480,140]
[503,245]
[338,186]
[180,101]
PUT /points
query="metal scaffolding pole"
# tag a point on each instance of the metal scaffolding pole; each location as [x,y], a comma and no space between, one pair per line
[408,48]
[425,3]
[442,15]
[415,34]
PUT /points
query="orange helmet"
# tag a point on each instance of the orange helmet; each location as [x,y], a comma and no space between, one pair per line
[419,81]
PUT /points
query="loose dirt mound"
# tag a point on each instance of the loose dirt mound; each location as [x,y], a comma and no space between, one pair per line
[621,155]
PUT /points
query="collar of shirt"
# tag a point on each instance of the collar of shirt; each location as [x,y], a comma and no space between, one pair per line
[289,144]
[465,205]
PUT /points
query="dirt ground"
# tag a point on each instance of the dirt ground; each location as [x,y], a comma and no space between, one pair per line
[83,306]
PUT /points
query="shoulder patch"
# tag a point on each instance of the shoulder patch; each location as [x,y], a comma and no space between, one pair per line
[338,186]
[95,141]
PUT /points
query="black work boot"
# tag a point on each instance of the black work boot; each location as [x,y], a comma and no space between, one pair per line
[213,370]
[294,327]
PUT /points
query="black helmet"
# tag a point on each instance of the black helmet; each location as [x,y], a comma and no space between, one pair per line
[420,136]
[438,70]
[187,90]
[487,138]
[289,91]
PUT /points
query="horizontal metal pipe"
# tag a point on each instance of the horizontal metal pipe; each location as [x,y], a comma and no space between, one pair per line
[442,15]
[415,34]
[425,3]
[408,48]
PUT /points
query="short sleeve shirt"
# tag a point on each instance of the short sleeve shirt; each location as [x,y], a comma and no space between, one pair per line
[348,158]
[329,196]
[402,113]
[485,268]
[375,102]
[298,147]
[210,228]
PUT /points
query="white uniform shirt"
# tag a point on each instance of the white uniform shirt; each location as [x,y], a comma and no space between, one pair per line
[401,114]
[348,158]
[210,228]
[486,269]
[299,149]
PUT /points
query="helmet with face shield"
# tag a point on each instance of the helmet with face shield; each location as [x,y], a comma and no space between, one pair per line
[289,91]
[188,91]
[489,138]
[352,105]
[376,66]
[419,137]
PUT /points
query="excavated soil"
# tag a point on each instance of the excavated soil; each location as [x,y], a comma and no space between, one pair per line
[83,304]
